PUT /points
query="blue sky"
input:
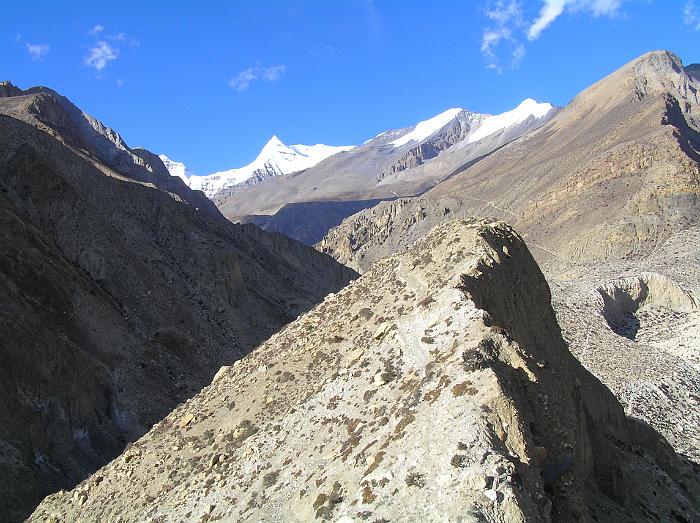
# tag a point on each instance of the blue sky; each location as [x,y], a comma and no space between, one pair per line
[207,83]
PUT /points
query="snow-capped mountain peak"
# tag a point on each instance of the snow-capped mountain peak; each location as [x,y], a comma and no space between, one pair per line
[275,158]
[482,125]
[427,127]
[177,168]
[494,123]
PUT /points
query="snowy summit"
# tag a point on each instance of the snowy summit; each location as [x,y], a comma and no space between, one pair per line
[177,169]
[274,159]
[482,125]
[493,124]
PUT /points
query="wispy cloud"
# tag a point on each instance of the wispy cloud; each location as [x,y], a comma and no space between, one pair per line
[508,26]
[242,80]
[97,29]
[37,51]
[691,15]
[552,9]
[121,37]
[503,13]
[100,55]
[505,18]
[104,48]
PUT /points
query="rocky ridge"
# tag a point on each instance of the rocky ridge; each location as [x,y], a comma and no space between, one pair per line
[437,386]
[607,199]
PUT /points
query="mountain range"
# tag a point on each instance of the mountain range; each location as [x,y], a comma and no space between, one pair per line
[499,319]
[304,196]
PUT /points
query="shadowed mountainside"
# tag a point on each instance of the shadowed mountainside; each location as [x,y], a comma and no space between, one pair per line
[122,293]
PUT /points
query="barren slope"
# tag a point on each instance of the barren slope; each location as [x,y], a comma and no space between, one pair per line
[436,387]
[119,297]
[606,194]
[613,174]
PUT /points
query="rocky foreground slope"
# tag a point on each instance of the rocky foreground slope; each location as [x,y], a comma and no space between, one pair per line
[121,293]
[607,196]
[437,386]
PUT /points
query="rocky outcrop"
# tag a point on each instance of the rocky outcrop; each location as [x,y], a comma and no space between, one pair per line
[120,297]
[451,134]
[368,236]
[436,387]
[606,195]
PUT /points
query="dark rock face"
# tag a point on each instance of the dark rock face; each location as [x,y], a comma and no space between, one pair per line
[7,89]
[122,292]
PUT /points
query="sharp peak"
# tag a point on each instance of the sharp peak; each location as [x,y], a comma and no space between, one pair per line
[274,140]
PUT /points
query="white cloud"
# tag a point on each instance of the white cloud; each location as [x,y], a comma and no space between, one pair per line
[489,41]
[120,82]
[503,13]
[506,18]
[100,55]
[37,51]
[508,25]
[691,16]
[96,30]
[549,12]
[552,9]
[242,80]
[273,73]
[601,7]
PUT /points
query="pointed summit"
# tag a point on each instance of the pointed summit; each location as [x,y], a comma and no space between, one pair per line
[274,141]
[275,158]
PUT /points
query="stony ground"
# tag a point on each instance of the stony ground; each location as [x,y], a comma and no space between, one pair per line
[652,363]
[647,353]
[436,387]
